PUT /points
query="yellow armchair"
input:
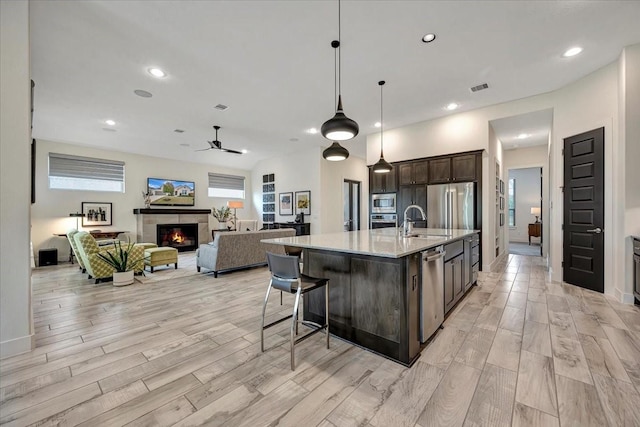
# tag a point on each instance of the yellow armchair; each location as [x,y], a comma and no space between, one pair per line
[97,268]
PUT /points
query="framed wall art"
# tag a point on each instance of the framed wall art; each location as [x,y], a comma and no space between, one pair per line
[286,203]
[95,214]
[303,202]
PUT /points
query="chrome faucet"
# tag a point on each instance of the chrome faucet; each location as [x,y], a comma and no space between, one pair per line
[407,224]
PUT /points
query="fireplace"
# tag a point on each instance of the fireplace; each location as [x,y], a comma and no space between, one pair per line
[183,237]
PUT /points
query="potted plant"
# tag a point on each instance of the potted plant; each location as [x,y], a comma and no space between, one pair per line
[120,259]
[222,215]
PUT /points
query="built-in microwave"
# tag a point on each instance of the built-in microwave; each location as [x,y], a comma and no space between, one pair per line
[383,203]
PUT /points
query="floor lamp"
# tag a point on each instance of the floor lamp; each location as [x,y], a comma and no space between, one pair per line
[235,205]
[77,216]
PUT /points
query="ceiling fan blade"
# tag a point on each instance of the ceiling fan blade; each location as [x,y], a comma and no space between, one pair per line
[228,150]
[204,149]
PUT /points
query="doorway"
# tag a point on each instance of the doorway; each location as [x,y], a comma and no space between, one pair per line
[351,205]
[524,211]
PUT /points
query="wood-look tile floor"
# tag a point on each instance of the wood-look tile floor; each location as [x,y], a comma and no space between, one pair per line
[517,350]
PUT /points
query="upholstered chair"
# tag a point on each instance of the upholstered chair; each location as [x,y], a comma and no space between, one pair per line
[74,248]
[96,267]
[247,225]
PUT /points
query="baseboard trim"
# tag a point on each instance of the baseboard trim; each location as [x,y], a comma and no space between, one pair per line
[17,346]
[623,297]
[494,262]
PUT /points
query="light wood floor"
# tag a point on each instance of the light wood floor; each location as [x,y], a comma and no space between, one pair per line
[516,351]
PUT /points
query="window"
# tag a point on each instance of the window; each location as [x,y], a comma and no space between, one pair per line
[228,186]
[512,202]
[67,172]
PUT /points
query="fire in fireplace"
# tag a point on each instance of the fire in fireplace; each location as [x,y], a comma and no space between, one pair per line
[183,237]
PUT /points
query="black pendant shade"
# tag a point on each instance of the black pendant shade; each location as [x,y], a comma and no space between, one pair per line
[382,166]
[335,153]
[339,127]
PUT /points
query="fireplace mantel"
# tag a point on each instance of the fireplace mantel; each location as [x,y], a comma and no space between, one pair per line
[148,219]
[170,211]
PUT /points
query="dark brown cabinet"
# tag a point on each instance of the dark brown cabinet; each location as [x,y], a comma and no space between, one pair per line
[302,229]
[382,182]
[412,195]
[415,172]
[453,169]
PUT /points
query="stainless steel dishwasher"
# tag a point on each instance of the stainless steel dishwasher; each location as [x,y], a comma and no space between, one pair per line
[431,292]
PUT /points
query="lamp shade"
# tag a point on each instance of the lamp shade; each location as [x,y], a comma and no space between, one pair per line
[339,127]
[382,166]
[335,153]
[235,204]
[535,211]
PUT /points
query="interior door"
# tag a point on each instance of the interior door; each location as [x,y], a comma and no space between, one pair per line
[351,205]
[583,235]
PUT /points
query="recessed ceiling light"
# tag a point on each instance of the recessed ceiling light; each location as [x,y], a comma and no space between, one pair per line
[523,136]
[312,131]
[143,93]
[110,122]
[157,72]
[244,151]
[428,38]
[377,124]
[572,52]
[452,106]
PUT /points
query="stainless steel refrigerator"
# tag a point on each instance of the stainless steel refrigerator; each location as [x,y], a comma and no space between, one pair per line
[451,205]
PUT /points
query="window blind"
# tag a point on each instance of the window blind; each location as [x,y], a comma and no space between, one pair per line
[68,166]
[226,182]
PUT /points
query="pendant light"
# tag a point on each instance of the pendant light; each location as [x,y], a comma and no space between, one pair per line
[339,127]
[335,152]
[382,166]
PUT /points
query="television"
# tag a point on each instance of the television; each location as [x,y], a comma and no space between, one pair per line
[170,192]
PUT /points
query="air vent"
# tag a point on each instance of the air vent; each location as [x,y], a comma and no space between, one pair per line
[178,131]
[483,86]
[221,107]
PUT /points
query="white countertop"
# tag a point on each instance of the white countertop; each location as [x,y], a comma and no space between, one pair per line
[382,242]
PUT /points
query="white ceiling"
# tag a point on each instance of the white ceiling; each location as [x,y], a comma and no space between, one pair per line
[272,64]
[535,128]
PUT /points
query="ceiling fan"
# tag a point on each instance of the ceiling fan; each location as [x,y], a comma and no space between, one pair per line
[217,145]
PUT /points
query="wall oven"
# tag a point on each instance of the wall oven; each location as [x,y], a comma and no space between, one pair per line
[384,220]
[383,203]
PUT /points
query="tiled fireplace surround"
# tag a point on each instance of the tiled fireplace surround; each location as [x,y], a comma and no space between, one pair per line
[147,219]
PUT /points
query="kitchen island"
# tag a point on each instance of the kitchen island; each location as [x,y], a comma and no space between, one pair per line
[375,276]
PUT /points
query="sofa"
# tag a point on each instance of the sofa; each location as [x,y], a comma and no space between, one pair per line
[232,251]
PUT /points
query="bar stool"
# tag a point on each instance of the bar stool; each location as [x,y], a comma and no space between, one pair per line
[285,276]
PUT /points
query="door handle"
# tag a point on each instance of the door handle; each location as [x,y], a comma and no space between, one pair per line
[597,230]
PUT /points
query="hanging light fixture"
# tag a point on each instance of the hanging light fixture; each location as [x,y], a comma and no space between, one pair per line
[335,152]
[339,127]
[382,166]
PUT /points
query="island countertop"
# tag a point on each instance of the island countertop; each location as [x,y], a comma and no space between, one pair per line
[382,242]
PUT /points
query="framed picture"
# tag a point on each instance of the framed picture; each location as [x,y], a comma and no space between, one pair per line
[96,214]
[286,203]
[501,219]
[501,203]
[501,187]
[303,202]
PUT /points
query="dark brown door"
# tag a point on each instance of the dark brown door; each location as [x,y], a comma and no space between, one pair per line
[464,168]
[583,236]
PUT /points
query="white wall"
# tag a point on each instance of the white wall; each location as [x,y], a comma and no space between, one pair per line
[333,176]
[296,172]
[629,104]
[527,196]
[16,326]
[534,157]
[50,213]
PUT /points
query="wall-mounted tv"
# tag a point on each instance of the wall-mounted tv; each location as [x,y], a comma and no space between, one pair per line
[170,192]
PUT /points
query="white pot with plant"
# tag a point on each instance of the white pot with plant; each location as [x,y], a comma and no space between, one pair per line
[223,215]
[120,259]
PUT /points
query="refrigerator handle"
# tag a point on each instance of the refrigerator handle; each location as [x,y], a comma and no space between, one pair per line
[450,220]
